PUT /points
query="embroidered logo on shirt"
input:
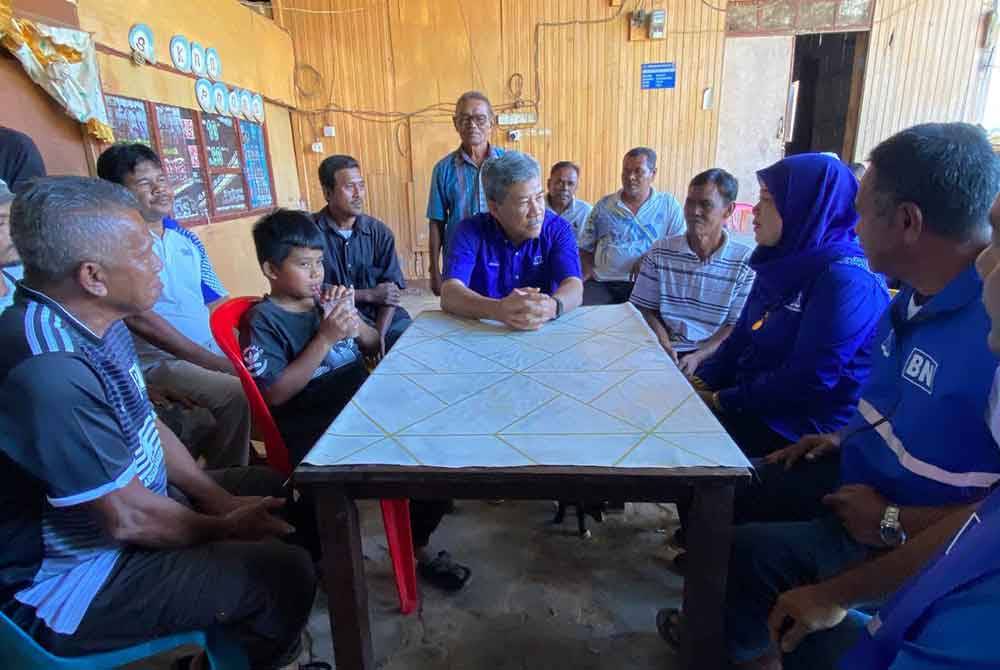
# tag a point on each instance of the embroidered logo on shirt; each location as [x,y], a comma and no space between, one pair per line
[253,358]
[537,260]
[887,344]
[137,377]
[493,264]
[795,305]
[920,370]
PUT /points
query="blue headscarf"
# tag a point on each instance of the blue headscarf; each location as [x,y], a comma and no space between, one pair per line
[814,194]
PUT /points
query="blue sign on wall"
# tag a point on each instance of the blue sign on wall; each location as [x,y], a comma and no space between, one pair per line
[659,75]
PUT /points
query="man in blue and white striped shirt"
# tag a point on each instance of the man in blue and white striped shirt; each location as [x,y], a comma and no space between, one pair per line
[691,288]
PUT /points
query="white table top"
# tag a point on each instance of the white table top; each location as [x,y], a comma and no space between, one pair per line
[591,389]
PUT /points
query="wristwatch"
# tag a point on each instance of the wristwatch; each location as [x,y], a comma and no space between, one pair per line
[890,530]
[559,307]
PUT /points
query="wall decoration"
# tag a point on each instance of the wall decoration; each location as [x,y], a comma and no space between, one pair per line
[213,64]
[198,59]
[180,53]
[258,108]
[246,105]
[140,38]
[220,98]
[203,91]
[234,102]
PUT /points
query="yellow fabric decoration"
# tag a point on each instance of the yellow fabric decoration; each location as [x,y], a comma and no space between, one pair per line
[64,63]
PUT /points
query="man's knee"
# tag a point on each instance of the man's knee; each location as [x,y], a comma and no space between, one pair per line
[285,576]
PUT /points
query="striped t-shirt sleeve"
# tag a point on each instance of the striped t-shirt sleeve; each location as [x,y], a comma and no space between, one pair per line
[211,286]
[646,292]
[743,285]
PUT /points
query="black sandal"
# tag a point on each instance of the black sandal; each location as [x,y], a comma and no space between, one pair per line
[444,573]
[668,625]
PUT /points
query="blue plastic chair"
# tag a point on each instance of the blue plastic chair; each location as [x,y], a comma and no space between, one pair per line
[18,650]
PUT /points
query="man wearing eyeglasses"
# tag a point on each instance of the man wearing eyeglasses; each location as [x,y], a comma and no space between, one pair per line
[456,184]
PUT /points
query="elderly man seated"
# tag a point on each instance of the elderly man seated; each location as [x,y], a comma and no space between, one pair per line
[516,264]
[112,534]
[691,288]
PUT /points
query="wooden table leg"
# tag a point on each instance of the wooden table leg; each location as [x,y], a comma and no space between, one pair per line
[709,535]
[344,578]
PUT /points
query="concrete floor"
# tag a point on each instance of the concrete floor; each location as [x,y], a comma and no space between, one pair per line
[539,596]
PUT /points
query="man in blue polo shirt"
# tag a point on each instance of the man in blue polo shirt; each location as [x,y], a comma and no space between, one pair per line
[456,184]
[917,447]
[179,356]
[517,264]
[111,533]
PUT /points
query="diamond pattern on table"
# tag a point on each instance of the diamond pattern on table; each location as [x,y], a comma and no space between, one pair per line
[584,386]
[650,357]
[592,354]
[384,452]
[655,452]
[488,411]
[566,416]
[451,451]
[717,448]
[691,417]
[590,450]
[352,421]
[645,398]
[455,387]
[592,389]
[399,363]
[394,402]
[443,356]
[332,448]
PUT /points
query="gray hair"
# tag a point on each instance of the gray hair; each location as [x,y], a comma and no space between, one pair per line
[510,168]
[473,95]
[57,223]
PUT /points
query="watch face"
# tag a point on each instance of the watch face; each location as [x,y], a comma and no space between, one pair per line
[892,535]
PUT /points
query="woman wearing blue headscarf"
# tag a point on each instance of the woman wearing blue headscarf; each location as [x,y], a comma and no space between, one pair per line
[800,353]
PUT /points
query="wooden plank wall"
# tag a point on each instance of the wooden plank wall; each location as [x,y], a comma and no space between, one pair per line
[410,55]
[923,65]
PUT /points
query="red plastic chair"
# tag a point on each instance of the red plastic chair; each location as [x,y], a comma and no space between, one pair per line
[741,218]
[224,322]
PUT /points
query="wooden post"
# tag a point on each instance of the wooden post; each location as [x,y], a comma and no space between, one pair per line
[344,578]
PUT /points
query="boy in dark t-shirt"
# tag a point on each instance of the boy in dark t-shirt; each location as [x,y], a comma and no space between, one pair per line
[304,344]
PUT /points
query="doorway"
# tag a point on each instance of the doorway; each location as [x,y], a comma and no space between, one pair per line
[827,76]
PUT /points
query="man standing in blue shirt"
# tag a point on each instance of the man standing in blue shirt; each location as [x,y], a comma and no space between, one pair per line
[923,206]
[456,184]
[517,264]
[622,227]
[174,342]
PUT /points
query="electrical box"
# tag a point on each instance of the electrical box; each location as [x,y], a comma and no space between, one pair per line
[329,131]
[317,147]
[658,24]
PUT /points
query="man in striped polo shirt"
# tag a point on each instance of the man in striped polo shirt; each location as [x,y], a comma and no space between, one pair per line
[691,288]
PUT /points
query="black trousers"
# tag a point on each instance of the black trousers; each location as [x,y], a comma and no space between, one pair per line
[260,592]
[606,292]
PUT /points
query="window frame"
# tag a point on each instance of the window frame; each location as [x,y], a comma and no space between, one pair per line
[207,171]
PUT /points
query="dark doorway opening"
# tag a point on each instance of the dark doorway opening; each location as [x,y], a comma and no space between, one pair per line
[827,77]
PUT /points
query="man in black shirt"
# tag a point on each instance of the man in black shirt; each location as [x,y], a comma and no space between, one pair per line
[359,250]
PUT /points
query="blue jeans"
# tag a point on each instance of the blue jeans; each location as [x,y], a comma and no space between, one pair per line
[768,559]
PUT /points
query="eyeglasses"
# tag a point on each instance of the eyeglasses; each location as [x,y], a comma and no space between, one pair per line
[480,120]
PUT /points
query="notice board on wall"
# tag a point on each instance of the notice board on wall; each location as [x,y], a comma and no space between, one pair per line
[221,143]
[128,119]
[255,162]
[182,161]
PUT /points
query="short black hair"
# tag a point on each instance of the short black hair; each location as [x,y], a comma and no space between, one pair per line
[565,164]
[121,159]
[331,165]
[726,183]
[276,234]
[643,151]
[948,170]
